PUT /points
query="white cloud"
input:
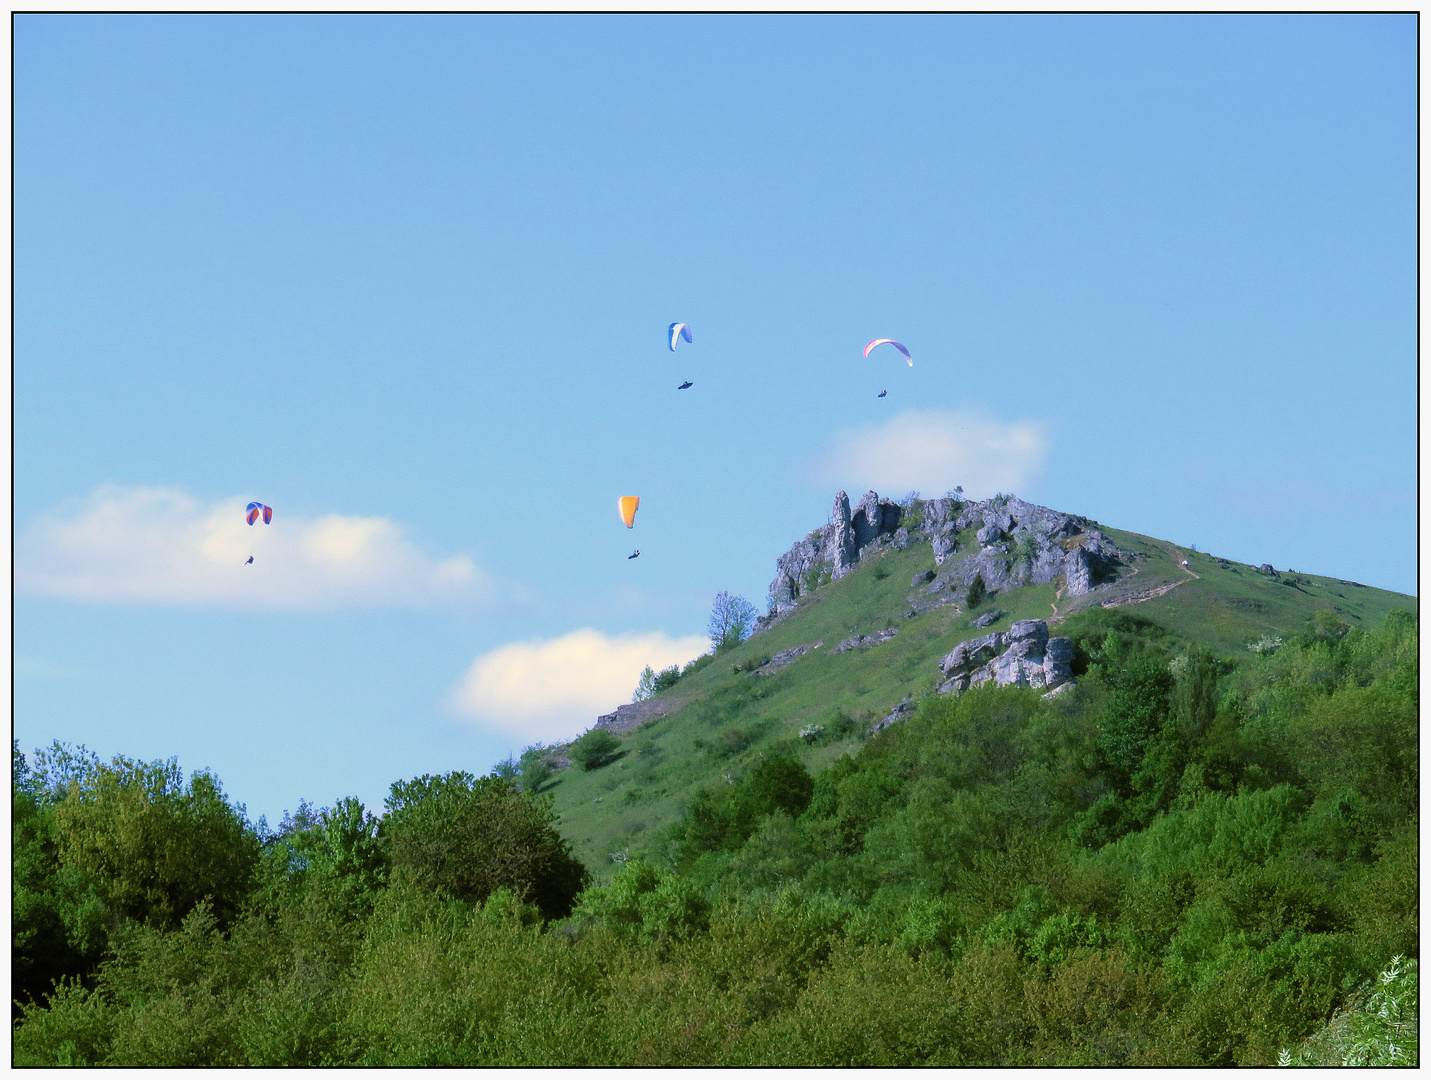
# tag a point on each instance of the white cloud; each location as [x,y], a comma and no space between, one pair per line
[933,450]
[553,690]
[154,546]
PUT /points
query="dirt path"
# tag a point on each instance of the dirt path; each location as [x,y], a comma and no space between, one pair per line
[1147,594]
[1182,561]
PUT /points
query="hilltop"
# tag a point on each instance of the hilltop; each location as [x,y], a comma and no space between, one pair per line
[864,617]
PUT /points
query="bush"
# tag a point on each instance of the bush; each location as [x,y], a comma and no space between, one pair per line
[815,575]
[696,664]
[977,591]
[595,749]
[464,838]
[732,741]
[641,905]
[1379,1029]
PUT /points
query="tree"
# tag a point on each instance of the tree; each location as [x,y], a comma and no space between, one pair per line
[59,923]
[464,838]
[653,682]
[646,686]
[335,853]
[732,620]
[642,905]
[155,845]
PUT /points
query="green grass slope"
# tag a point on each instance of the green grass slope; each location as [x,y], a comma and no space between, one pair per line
[725,719]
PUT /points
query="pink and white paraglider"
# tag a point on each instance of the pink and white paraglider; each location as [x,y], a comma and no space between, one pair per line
[877,342]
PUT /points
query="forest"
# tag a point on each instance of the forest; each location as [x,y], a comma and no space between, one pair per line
[1188,860]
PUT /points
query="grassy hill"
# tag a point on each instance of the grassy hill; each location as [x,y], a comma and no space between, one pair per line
[721,719]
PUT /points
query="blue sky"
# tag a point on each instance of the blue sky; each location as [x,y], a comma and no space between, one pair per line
[407,281]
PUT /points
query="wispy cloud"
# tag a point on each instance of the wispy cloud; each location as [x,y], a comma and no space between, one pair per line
[156,546]
[553,690]
[933,450]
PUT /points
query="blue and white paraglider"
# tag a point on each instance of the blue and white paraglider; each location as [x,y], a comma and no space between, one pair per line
[679,331]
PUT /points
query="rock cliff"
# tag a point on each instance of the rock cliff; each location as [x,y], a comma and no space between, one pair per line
[1014,543]
[832,551]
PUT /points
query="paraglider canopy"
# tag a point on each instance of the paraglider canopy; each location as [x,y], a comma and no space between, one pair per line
[889,341]
[677,331]
[255,509]
[626,507]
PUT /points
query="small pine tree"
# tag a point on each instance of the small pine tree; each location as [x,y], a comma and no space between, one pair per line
[977,591]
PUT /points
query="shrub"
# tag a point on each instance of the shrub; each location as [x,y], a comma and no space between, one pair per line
[535,769]
[815,575]
[732,741]
[696,664]
[595,749]
[642,905]
[977,591]
[778,783]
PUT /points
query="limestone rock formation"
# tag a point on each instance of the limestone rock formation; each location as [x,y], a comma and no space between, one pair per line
[630,717]
[1024,655]
[899,712]
[1018,544]
[831,552]
[866,641]
[784,658]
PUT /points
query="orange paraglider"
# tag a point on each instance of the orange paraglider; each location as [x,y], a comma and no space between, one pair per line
[626,506]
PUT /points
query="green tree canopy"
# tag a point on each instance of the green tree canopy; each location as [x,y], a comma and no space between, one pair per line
[464,837]
[154,844]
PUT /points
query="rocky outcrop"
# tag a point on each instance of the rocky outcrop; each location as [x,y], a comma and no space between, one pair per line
[630,717]
[1019,544]
[784,658]
[831,552]
[866,641]
[1024,655]
[899,712]
[1016,543]
[1093,560]
[988,618]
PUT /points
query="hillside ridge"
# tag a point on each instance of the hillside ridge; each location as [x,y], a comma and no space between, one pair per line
[866,618]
